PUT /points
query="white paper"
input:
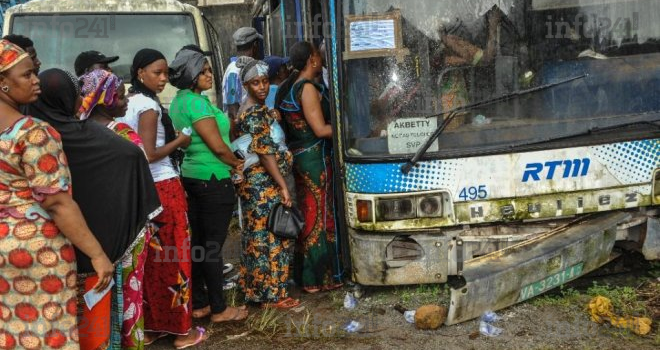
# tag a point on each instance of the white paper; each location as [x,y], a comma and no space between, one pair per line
[407,135]
[372,35]
[92,297]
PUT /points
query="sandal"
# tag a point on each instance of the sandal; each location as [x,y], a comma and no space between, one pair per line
[311,290]
[160,335]
[235,317]
[282,304]
[201,336]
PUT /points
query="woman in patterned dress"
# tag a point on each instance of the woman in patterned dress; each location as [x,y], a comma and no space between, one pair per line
[265,257]
[305,111]
[40,223]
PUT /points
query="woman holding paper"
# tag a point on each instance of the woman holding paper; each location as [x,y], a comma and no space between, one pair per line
[39,222]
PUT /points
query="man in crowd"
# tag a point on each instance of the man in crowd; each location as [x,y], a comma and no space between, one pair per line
[246,40]
[90,60]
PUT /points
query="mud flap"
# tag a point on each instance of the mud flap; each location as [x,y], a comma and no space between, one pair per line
[530,268]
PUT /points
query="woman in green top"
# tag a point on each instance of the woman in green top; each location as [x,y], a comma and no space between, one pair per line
[206,172]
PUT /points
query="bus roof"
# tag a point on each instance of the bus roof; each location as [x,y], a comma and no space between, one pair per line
[46,6]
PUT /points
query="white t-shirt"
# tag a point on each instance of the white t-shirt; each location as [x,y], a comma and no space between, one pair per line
[137,104]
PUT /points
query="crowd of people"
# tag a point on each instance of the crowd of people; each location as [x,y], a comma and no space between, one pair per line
[104,189]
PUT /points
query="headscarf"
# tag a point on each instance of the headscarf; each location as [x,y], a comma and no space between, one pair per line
[186,68]
[10,56]
[111,180]
[142,59]
[99,88]
[252,69]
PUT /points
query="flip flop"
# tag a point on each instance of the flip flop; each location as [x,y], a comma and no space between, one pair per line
[200,338]
[160,335]
[282,304]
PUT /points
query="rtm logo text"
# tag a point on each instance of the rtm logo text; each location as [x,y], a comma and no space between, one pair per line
[548,171]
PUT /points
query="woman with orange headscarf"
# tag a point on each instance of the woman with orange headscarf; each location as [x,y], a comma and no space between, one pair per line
[39,222]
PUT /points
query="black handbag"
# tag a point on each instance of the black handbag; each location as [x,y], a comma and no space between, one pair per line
[285,222]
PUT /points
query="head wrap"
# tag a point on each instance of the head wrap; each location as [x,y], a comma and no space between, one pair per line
[99,89]
[252,69]
[186,68]
[114,187]
[10,56]
[142,59]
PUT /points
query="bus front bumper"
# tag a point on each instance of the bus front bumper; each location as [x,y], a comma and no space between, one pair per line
[492,281]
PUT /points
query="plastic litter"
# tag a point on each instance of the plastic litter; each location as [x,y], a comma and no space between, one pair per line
[353,327]
[490,317]
[485,326]
[187,131]
[349,301]
[409,316]
[489,330]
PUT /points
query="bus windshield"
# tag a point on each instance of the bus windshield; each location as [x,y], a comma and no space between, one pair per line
[585,64]
[60,38]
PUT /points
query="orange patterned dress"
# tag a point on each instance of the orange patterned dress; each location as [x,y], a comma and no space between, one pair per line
[38,280]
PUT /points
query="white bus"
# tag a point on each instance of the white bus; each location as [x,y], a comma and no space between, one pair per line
[62,29]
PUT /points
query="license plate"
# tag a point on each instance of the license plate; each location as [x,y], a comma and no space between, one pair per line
[552,281]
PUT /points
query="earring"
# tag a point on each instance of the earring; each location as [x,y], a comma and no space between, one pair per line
[5,89]
[142,80]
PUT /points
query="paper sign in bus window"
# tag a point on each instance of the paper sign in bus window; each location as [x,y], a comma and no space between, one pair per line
[407,135]
[372,35]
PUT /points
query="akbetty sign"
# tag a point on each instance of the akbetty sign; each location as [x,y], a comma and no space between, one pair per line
[407,135]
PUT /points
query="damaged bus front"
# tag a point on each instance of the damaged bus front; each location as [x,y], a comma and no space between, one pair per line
[503,146]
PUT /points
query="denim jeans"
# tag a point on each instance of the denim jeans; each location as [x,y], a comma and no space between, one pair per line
[210,207]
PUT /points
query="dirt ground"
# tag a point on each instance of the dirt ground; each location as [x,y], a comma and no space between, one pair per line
[557,320]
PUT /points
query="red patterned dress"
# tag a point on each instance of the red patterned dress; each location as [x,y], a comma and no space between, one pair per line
[38,279]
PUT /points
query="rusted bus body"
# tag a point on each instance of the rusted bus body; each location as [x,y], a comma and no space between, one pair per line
[535,185]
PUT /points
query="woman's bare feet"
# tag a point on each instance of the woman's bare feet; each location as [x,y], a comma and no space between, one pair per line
[230,314]
[201,313]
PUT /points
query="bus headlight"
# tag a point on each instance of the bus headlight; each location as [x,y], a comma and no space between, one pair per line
[396,209]
[430,206]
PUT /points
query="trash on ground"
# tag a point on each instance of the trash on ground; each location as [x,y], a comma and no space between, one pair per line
[490,317]
[430,317]
[601,310]
[237,336]
[489,330]
[409,316]
[353,327]
[485,326]
[349,301]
